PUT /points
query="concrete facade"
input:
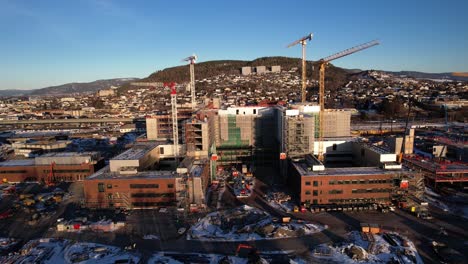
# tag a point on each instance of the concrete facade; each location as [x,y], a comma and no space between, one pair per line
[246,70]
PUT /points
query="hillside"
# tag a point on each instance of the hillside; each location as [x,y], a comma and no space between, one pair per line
[70,88]
[335,76]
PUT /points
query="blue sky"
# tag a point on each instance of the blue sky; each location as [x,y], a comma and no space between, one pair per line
[50,42]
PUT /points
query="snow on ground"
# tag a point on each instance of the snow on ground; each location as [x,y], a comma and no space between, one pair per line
[151,237]
[247,223]
[358,250]
[183,257]
[52,251]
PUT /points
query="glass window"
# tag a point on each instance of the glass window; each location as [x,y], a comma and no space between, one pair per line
[307,183]
[101,187]
[315,193]
[307,192]
[109,186]
[315,183]
[170,186]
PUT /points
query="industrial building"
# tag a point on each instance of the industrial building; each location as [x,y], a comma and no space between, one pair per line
[159,127]
[52,167]
[239,135]
[147,176]
[369,178]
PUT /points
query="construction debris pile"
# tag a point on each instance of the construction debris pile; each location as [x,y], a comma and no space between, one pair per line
[248,223]
[370,248]
[81,223]
[7,244]
[280,201]
[50,250]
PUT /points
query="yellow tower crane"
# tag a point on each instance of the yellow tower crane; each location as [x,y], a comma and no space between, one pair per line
[323,63]
[303,42]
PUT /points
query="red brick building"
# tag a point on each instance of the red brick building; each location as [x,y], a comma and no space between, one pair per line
[64,166]
[350,185]
[144,190]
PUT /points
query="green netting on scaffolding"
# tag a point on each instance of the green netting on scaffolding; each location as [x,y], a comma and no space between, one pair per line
[234,134]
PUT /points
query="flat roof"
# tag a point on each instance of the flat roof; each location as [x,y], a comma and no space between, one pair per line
[302,168]
[137,151]
[14,163]
[69,154]
[105,173]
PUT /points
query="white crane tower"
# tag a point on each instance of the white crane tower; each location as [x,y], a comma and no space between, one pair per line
[192,59]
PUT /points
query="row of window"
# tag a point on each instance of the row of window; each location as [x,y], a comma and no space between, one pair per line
[316,183]
[13,171]
[360,200]
[65,171]
[152,195]
[370,181]
[371,190]
[150,204]
[101,186]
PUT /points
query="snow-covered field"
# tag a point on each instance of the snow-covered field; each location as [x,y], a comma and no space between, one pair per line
[358,250]
[435,199]
[53,251]
[247,223]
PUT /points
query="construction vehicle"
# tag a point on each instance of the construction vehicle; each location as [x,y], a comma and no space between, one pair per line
[192,59]
[29,202]
[303,42]
[247,251]
[6,214]
[322,64]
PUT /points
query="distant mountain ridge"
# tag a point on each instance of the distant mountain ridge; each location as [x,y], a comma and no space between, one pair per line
[454,76]
[335,76]
[69,88]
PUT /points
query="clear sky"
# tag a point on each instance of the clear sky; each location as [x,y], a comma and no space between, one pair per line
[51,42]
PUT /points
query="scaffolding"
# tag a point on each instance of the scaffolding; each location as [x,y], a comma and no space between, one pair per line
[299,135]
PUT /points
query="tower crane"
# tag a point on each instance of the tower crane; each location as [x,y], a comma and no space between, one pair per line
[175,127]
[323,63]
[303,42]
[192,59]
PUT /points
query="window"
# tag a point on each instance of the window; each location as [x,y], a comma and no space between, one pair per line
[332,182]
[152,195]
[335,192]
[334,146]
[237,111]
[315,183]
[144,186]
[170,186]
[161,150]
[110,196]
[354,182]
[255,112]
[307,183]
[340,182]
[315,193]
[109,186]
[307,192]
[354,191]
[346,182]
[314,201]
[101,187]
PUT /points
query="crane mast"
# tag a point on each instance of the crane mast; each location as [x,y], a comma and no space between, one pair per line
[323,63]
[192,59]
[303,42]
[175,127]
